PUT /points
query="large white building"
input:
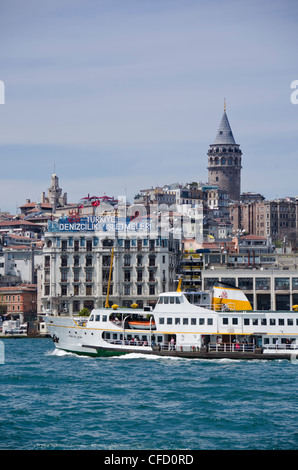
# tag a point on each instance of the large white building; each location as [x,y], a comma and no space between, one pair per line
[77,260]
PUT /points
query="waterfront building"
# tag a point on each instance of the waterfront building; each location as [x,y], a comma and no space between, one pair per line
[77,261]
[18,302]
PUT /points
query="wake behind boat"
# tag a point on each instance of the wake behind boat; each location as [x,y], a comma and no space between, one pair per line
[180,326]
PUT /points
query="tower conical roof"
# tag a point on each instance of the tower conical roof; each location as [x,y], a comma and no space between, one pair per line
[224,134]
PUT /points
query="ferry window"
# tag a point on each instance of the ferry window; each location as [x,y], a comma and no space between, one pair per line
[114,335]
[166,300]
[104,318]
[255,321]
[225,321]
[281,321]
[159,339]
[177,321]
[193,321]
[209,321]
[266,340]
[185,321]
[272,321]
[169,321]
[160,300]
[202,321]
[290,322]
[91,318]
[178,300]
[97,318]
[172,300]
[161,321]
[234,321]
[263,321]
[246,321]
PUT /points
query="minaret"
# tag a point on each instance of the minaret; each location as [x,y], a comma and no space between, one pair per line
[224,160]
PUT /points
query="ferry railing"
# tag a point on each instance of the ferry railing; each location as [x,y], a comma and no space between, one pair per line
[231,347]
[281,346]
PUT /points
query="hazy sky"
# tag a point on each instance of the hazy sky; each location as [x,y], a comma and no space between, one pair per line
[121,95]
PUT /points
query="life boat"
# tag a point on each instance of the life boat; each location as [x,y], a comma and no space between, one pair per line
[141,325]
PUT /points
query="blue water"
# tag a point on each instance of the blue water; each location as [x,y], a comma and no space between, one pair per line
[52,400]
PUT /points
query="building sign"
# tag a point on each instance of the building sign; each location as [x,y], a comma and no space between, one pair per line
[100,224]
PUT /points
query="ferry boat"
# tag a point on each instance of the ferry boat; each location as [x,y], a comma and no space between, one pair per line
[182,325]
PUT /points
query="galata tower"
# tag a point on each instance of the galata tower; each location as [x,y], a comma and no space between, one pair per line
[224,160]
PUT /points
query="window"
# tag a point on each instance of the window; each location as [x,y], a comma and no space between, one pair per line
[201,321]
[126,289]
[139,289]
[193,321]
[209,321]
[161,321]
[282,283]
[245,283]
[263,321]
[225,321]
[281,321]
[234,321]
[263,283]
[255,321]
[272,321]
[185,321]
[88,289]
[151,260]
[64,275]
[97,317]
[246,321]
[290,322]
[63,290]
[127,276]
[151,290]
[88,260]
[104,318]
[127,260]
[169,321]
[177,321]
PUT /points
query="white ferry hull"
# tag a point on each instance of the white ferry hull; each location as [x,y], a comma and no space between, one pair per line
[179,328]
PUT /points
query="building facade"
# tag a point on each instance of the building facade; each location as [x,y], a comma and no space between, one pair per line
[76,272]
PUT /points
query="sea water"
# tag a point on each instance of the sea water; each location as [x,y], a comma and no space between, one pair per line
[52,400]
